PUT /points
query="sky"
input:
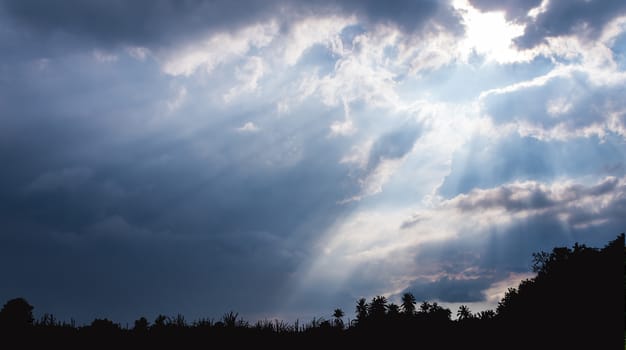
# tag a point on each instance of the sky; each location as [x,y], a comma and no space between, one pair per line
[285,158]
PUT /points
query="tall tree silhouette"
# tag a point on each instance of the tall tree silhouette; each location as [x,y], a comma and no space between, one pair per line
[338,314]
[361,310]
[425,307]
[486,315]
[377,308]
[393,312]
[434,312]
[393,309]
[464,313]
[408,304]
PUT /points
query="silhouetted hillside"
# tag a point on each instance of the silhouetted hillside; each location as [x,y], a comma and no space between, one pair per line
[576,300]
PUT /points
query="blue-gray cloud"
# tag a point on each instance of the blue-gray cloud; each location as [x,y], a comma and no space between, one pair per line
[394,144]
[584,18]
[488,163]
[459,82]
[571,103]
[450,290]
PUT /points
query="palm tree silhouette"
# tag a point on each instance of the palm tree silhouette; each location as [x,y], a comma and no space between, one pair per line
[361,310]
[338,314]
[393,310]
[486,315]
[425,307]
[378,307]
[464,313]
[408,304]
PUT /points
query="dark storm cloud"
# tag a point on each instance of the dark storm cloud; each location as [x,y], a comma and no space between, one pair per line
[106,207]
[135,22]
[96,155]
[564,17]
[561,17]
[122,274]
[162,243]
[150,23]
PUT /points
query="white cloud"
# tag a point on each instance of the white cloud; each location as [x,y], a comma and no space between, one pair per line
[558,106]
[345,127]
[282,107]
[374,182]
[616,122]
[559,71]
[593,58]
[42,63]
[104,57]
[496,291]
[562,131]
[612,30]
[431,52]
[219,48]
[307,32]
[248,127]
[358,154]
[354,78]
[139,53]
[177,101]
[248,77]
[536,11]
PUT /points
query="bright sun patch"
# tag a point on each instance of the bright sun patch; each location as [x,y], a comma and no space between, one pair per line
[489,34]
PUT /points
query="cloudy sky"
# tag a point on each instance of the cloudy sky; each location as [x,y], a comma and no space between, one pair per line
[284,158]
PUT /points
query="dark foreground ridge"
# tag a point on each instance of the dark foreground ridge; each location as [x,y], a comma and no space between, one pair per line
[576,301]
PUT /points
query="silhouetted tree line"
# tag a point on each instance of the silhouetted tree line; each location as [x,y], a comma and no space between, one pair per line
[576,300]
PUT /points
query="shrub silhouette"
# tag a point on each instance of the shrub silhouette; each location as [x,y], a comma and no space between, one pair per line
[141,325]
[16,314]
